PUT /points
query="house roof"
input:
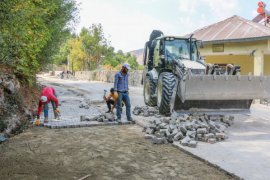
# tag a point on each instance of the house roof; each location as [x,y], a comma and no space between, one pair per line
[233,29]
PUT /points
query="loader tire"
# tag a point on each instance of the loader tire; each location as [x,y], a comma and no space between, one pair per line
[149,89]
[166,83]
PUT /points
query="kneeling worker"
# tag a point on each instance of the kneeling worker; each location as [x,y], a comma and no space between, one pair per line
[47,95]
[111,99]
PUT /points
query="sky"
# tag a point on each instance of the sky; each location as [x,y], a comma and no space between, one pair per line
[127,24]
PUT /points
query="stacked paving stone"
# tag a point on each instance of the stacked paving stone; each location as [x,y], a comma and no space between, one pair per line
[186,129]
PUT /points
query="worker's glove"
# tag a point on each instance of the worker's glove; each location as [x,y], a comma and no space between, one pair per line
[57,110]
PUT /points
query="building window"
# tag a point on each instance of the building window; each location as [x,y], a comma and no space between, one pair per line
[218,47]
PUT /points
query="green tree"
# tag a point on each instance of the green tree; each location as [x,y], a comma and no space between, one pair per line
[31,32]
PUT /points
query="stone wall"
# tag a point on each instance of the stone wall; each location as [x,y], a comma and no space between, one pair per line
[108,76]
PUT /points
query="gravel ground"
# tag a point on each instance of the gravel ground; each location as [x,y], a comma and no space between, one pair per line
[116,152]
[113,152]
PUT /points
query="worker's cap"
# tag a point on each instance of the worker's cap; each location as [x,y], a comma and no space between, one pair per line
[126,65]
[43,99]
[112,90]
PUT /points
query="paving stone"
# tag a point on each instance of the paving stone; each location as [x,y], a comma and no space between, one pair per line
[220,135]
[209,136]
[212,125]
[146,114]
[172,127]
[163,126]
[109,116]
[214,118]
[163,131]
[149,131]
[144,129]
[175,131]
[183,129]
[202,131]
[191,134]
[178,136]
[157,140]
[189,126]
[148,136]
[157,121]
[212,140]
[136,112]
[157,115]
[101,119]
[168,133]
[166,119]
[192,144]
[185,141]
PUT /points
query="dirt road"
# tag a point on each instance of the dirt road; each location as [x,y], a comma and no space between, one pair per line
[101,152]
[116,152]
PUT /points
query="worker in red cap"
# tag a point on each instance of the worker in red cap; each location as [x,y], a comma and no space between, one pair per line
[47,95]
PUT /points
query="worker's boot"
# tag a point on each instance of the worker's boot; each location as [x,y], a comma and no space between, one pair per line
[46,120]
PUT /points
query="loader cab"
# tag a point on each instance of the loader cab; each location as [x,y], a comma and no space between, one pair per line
[167,49]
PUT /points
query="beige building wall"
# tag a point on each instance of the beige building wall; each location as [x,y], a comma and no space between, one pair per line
[251,56]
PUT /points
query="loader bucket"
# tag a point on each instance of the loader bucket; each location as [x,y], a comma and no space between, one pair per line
[217,93]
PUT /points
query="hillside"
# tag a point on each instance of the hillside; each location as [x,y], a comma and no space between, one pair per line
[138,54]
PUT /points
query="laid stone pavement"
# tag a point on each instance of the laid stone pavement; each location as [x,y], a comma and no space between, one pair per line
[69,105]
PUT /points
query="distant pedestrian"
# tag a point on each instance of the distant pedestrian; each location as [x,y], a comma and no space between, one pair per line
[121,86]
[47,95]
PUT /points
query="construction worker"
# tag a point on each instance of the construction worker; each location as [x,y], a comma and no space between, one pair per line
[111,99]
[121,86]
[47,95]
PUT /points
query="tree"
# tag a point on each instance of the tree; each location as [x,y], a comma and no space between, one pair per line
[31,32]
[94,44]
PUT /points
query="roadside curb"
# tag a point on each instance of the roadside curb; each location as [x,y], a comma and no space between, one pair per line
[86,125]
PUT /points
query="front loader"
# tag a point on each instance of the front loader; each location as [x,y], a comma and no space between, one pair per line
[176,79]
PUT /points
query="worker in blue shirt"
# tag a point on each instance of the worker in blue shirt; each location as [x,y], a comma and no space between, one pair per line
[121,86]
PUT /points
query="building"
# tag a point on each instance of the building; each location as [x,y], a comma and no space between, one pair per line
[237,41]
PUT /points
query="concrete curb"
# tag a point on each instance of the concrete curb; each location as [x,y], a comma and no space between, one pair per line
[86,125]
[197,157]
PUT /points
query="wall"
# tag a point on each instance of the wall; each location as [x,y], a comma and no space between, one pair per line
[249,55]
[108,76]
[246,62]
[266,65]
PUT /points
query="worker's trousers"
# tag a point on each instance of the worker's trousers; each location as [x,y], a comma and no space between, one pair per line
[123,96]
[109,103]
[46,108]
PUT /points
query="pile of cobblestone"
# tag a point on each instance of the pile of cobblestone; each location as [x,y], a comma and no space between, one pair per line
[104,117]
[145,111]
[186,129]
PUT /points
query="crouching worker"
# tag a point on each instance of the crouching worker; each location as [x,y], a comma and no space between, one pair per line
[111,100]
[47,95]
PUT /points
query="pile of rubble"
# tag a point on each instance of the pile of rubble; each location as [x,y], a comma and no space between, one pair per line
[186,129]
[145,111]
[104,117]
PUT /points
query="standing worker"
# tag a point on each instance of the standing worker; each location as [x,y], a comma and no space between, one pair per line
[111,99]
[47,95]
[121,86]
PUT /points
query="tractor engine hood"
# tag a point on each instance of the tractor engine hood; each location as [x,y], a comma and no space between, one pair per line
[196,67]
[192,64]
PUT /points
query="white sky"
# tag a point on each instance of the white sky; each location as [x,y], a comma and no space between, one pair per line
[128,23]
